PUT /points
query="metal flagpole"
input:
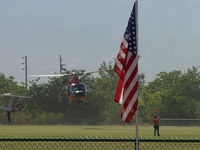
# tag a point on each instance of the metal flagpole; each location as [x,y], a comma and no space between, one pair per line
[136,133]
[137,117]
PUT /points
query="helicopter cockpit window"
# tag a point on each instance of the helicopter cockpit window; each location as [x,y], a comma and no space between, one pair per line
[78,87]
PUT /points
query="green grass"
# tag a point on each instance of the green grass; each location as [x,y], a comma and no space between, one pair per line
[52,131]
[77,131]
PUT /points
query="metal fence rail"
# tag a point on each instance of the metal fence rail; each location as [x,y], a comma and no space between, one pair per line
[169,144]
[97,144]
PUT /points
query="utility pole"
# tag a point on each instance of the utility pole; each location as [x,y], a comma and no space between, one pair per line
[61,64]
[26,72]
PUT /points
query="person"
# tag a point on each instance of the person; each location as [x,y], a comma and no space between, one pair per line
[156,126]
[74,79]
[15,108]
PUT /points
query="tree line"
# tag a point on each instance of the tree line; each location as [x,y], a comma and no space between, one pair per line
[174,94]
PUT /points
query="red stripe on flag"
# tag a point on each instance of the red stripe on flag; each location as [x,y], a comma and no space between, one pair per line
[132,112]
[123,47]
[117,70]
[130,79]
[121,59]
[120,88]
[130,62]
[130,96]
[119,91]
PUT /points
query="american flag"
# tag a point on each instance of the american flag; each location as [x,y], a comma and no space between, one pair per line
[126,67]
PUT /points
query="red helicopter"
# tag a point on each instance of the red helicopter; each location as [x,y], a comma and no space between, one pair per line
[75,88]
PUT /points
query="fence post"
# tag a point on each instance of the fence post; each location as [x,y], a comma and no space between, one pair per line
[136,144]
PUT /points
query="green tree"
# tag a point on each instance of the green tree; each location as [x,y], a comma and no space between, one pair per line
[175,94]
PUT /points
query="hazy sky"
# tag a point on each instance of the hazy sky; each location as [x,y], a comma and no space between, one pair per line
[88,32]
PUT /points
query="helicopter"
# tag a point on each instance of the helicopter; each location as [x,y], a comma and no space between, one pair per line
[10,107]
[76,89]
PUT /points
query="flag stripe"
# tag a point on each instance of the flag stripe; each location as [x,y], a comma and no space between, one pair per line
[131,85]
[131,94]
[130,68]
[118,96]
[120,61]
[128,105]
[132,112]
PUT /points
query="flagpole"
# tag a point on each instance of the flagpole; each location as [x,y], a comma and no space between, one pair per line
[137,117]
[137,133]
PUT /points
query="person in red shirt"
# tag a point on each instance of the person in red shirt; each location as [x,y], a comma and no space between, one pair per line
[156,126]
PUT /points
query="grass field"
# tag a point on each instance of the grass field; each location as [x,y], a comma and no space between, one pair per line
[111,131]
[85,132]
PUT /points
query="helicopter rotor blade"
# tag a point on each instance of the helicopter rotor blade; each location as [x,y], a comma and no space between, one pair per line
[71,74]
[49,75]
[98,71]
[13,95]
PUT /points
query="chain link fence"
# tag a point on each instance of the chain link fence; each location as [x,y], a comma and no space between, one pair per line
[97,144]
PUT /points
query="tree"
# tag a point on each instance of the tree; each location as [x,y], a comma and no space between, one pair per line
[175,94]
